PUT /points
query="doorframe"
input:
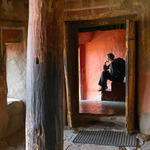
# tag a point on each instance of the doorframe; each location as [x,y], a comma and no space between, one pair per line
[71,66]
[17,26]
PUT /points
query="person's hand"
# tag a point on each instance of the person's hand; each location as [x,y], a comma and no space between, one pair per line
[105,62]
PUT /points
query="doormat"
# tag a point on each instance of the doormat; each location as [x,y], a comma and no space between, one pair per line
[111,138]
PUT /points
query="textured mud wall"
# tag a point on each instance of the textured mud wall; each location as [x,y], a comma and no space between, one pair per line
[14,14]
[93,9]
[14,10]
[96,46]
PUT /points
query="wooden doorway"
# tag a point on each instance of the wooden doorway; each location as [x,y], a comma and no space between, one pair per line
[71,68]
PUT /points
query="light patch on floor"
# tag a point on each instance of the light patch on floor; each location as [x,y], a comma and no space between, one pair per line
[97,106]
[10,100]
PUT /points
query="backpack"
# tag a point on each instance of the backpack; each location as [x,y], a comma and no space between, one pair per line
[120,67]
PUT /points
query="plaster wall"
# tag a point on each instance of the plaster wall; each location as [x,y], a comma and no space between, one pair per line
[88,10]
[16,70]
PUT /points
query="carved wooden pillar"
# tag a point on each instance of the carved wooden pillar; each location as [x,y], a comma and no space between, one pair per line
[44,117]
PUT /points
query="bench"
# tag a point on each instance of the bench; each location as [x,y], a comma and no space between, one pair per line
[117,92]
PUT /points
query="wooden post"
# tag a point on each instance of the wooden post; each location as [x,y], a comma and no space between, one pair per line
[130,75]
[4,118]
[44,115]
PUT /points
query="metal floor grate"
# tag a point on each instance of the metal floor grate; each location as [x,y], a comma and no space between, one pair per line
[112,138]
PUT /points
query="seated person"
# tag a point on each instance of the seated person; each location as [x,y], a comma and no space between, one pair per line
[110,72]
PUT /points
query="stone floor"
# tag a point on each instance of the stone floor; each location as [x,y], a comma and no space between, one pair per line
[102,107]
[17,141]
[70,134]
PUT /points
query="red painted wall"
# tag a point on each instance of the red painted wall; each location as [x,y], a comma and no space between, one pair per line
[94,47]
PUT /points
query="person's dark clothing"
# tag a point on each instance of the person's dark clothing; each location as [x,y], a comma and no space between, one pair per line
[109,75]
[112,68]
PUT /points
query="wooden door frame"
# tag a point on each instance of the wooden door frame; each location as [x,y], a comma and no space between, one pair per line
[71,65]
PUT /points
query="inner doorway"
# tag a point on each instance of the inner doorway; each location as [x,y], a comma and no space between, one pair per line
[72,72]
[94,44]
[14,50]
[16,71]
